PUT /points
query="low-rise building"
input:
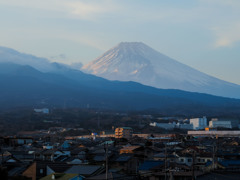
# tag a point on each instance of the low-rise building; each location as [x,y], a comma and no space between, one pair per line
[131,149]
[185,126]
[123,132]
[164,125]
[172,125]
[215,133]
[214,123]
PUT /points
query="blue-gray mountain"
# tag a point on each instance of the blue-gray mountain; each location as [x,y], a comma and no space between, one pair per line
[60,86]
[140,63]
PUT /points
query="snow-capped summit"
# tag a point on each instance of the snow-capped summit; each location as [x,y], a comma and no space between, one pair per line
[135,61]
[120,61]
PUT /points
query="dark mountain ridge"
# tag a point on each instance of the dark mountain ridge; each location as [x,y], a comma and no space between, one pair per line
[24,86]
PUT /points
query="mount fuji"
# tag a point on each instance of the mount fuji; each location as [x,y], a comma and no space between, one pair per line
[30,81]
[135,61]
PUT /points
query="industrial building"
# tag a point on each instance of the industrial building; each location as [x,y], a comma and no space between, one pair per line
[215,123]
[199,123]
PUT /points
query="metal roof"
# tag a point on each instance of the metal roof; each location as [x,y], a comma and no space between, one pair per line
[83,170]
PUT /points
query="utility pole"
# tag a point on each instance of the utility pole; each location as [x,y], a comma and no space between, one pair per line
[106,150]
[165,162]
[193,163]
[98,121]
[213,158]
[216,152]
[2,157]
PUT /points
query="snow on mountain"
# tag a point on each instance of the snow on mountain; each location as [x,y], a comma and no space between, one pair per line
[135,61]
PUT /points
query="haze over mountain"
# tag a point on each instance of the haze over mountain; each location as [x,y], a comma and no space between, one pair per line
[135,61]
[42,64]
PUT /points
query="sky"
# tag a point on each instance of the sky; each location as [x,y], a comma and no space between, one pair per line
[204,34]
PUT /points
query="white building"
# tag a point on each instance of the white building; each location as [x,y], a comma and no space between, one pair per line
[164,125]
[214,123]
[172,125]
[185,126]
[199,123]
[44,110]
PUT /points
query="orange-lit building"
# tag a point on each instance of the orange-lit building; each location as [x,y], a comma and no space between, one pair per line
[123,132]
[130,149]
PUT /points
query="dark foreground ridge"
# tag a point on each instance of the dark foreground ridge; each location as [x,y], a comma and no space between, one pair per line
[24,86]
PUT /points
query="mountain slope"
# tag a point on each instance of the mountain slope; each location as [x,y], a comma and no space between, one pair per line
[24,86]
[140,63]
[8,55]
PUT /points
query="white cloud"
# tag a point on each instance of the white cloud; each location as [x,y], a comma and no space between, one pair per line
[83,9]
[90,10]
[223,21]
[227,36]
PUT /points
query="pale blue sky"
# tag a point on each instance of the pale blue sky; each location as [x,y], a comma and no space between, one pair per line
[204,34]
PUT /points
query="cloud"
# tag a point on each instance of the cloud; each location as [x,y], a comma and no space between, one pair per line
[82,9]
[90,10]
[223,21]
[228,35]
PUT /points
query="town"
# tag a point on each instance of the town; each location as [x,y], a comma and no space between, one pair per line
[151,148]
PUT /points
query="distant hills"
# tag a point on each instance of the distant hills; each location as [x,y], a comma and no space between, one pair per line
[25,85]
[135,61]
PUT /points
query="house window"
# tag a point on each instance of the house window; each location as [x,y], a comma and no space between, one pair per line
[189,160]
[181,160]
[41,171]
